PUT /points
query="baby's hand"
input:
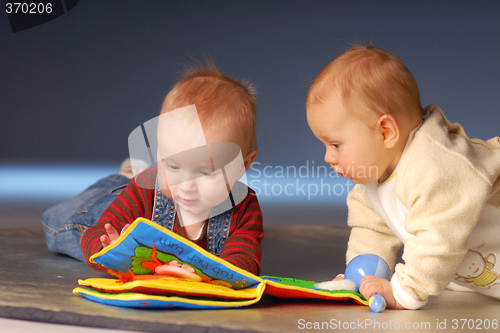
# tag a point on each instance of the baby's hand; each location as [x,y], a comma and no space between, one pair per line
[374,285]
[112,236]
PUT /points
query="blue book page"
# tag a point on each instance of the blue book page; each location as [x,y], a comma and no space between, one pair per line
[145,244]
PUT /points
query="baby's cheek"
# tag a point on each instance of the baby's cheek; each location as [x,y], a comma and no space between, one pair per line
[163,184]
[214,192]
[166,192]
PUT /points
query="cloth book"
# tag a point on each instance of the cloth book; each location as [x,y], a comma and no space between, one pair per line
[214,283]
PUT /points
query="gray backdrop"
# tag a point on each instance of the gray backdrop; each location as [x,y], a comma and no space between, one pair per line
[74,88]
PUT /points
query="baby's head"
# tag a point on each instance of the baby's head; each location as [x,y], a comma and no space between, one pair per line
[206,138]
[362,106]
[225,106]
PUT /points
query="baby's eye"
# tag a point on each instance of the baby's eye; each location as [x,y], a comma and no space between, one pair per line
[172,167]
[336,145]
[207,173]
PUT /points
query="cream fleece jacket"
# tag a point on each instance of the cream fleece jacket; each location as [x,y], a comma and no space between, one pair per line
[444,180]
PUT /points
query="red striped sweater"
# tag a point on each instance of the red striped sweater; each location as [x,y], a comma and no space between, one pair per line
[242,246]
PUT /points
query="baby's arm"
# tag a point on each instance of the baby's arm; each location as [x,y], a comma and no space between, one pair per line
[369,233]
[133,202]
[242,247]
[444,206]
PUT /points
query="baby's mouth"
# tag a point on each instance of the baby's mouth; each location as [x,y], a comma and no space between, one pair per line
[187,201]
[340,172]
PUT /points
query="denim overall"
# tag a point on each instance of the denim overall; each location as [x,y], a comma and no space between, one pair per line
[218,226]
[65,223]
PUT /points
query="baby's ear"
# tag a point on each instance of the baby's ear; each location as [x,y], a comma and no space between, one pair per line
[389,129]
[248,159]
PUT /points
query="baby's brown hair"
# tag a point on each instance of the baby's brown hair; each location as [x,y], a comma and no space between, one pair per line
[378,80]
[219,99]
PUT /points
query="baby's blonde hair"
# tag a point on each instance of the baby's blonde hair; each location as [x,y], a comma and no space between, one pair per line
[373,77]
[220,101]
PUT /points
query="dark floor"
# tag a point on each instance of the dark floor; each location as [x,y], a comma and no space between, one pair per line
[35,285]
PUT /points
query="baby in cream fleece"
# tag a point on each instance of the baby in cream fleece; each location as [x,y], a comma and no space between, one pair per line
[421,181]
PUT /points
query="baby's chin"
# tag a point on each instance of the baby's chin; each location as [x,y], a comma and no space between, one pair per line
[362,181]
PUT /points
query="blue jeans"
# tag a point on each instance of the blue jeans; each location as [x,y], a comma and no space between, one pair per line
[65,223]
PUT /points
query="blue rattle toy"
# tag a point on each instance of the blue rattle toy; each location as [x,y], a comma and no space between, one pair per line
[369,264]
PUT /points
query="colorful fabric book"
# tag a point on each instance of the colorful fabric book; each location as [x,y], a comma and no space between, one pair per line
[213,283]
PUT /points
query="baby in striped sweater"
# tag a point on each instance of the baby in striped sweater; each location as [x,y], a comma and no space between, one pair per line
[206,141]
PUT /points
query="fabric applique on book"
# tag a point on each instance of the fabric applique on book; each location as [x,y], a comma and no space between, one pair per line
[210,282]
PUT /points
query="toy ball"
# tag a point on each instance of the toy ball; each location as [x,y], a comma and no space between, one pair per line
[377,303]
[366,264]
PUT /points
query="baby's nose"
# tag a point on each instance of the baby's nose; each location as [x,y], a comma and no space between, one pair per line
[329,159]
[188,185]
